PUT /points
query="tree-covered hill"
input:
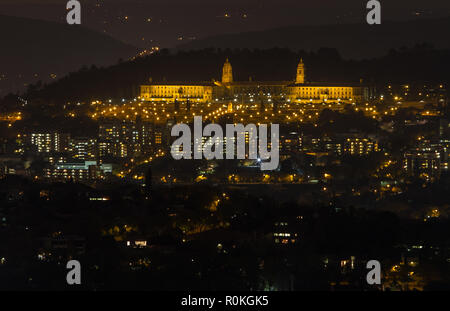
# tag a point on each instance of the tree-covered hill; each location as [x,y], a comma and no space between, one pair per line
[421,63]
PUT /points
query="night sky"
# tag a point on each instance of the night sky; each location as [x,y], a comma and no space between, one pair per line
[167,23]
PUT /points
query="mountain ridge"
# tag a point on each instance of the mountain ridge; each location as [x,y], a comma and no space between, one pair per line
[353,41]
[35,49]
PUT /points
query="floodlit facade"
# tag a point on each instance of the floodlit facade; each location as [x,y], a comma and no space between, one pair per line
[298,90]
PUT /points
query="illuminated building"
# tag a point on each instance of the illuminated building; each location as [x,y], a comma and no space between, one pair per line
[298,90]
[43,142]
[424,163]
[180,91]
[333,146]
[137,243]
[360,146]
[284,233]
[112,149]
[158,137]
[429,159]
[88,170]
[83,148]
[227,73]
[146,136]
[445,154]
[50,142]
[57,159]
[111,131]
[300,78]
[345,144]
[290,143]
[125,139]
[161,136]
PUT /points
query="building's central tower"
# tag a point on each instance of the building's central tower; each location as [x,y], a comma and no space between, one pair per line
[227,73]
[300,78]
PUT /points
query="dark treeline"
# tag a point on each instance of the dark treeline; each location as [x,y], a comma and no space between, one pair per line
[251,258]
[419,64]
